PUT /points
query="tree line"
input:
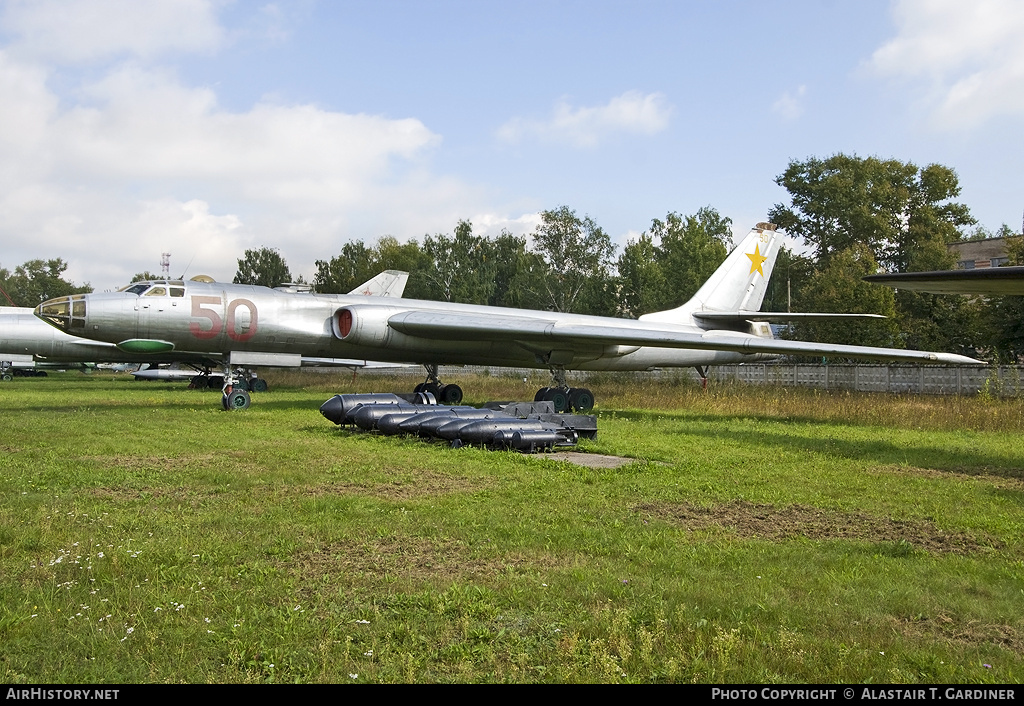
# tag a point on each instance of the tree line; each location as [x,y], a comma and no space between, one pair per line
[854,216]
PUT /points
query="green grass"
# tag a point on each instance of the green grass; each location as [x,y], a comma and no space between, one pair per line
[761,535]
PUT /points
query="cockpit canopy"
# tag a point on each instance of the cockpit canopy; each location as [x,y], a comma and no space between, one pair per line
[156,288]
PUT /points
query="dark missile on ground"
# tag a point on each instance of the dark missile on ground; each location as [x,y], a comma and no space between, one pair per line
[528,427]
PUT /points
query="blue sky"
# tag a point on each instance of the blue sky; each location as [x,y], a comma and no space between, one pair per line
[203,128]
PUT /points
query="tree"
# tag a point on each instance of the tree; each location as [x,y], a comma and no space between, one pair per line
[459,269]
[690,250]
[1004,320]
[641,277]
[145,276]
[264,267]
[840,288]
[905,215]
[577,254]
[517,272]
[38,280]
[343,273]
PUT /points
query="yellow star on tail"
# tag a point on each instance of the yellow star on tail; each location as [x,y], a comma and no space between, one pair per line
[756,260]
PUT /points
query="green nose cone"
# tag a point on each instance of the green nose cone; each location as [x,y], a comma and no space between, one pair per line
[145,345]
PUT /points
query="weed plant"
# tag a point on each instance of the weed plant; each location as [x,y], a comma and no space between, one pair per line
[759,535]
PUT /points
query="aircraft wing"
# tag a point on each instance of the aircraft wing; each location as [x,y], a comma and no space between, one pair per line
[988,280]
[540,332]
[774,316]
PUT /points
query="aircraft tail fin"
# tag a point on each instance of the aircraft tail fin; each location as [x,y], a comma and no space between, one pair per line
[739,283]
[389,283]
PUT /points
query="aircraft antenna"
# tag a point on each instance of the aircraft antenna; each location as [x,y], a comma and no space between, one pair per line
[186,267]
[165,264]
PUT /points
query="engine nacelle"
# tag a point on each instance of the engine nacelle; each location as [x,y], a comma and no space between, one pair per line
[364,324]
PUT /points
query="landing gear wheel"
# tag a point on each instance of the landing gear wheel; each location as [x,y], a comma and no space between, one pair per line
[6,377]
[581,399]
[433,388]
[559,398]
[259,385]
[215,382]
[541,394]
[235,400]
[450,394]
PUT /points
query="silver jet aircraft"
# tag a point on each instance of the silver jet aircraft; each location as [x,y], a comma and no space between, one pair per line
[247,325]
[26,341]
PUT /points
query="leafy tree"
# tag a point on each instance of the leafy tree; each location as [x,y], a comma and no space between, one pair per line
[577,253]
[343,273]
[691,248]
[789,278]
[904,214]
[38,280]
[264,267]
[145,276]
[517,272]
[1004,320]
[840,288]
[460,270]
[641,277]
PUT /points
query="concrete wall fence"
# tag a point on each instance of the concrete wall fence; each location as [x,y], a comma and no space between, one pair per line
[998,381]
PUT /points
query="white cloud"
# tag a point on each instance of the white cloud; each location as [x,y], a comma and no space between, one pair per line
[86,30]
[790,105]
[114,179]
[632,112]
[968,57]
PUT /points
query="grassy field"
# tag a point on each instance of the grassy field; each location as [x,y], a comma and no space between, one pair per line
[761,535]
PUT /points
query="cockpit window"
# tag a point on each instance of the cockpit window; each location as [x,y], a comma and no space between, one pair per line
[137,288]
[177,291]
[157,292]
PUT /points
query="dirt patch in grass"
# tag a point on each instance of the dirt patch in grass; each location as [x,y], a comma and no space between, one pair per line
[972,632]
[413,558]
[1009,478]
[423,484]
[751,520]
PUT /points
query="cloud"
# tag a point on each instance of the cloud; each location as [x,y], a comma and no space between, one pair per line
[115,173]
[790,105]
[68,31]
[632,112]
[967,58]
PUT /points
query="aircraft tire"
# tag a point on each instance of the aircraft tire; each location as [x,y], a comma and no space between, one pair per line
[236,400]
[450,394]
[418,389]
[559,398]
[259,385]
[581,399]
[433,388]
[215,382]
[541,394]
[6,377]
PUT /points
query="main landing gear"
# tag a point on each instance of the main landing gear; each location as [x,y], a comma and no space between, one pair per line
[443,394]
[563,397]
[237,385]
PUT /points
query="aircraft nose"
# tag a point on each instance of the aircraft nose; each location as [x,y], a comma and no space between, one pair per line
[66,313]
